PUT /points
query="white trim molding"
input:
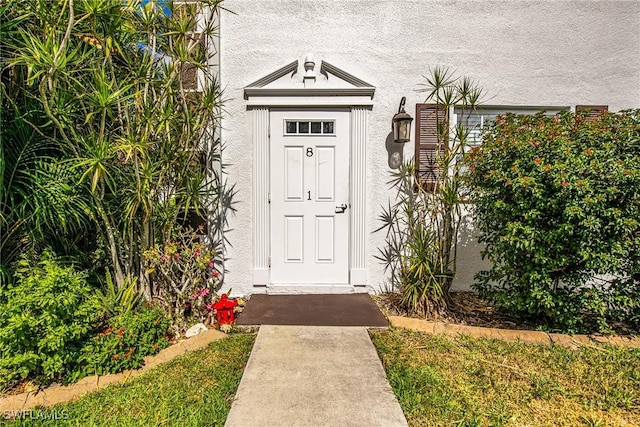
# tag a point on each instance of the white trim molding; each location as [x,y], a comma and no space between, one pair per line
[358,181]
[306,84]
[260,139]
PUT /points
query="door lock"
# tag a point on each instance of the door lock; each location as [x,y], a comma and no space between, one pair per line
[341,208]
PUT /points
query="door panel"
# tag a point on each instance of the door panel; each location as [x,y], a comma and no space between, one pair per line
[294,173]
[325,173]
[325,238]
[294,238]
[309,182]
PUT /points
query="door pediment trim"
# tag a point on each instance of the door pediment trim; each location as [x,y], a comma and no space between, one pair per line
[306,78]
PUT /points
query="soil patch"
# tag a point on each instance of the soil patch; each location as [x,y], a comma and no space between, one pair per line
[466,308]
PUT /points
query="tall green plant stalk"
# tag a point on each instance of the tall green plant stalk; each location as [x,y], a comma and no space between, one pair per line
[110,78]
[423,222]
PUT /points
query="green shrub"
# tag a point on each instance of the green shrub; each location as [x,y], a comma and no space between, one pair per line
[557,201]
[45,317]
[129,337]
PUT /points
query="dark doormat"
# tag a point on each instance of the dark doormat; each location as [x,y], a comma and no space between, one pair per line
[312,310]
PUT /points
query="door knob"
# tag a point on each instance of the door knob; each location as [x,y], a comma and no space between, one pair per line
[341,208]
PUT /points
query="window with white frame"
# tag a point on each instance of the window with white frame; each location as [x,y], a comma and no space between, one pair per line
[475,120]
[432,141]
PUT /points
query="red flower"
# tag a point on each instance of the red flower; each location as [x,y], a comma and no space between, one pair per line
[588,151]
[116,356]
[538,160]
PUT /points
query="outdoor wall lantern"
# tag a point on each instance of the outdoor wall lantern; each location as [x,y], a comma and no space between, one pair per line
[401,124]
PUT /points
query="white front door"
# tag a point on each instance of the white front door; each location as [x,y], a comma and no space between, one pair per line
[309,197]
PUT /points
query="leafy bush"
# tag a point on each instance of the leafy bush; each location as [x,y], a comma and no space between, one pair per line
[557,201]
[129,337]
[45,317]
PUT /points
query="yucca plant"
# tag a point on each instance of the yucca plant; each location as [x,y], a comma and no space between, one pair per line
[423,222]
[113,300]
[126,100]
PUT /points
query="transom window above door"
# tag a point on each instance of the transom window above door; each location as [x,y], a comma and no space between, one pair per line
[309,127]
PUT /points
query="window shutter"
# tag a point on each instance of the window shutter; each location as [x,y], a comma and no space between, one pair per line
[592,111]
[193,41]
[189,77]
[430,121]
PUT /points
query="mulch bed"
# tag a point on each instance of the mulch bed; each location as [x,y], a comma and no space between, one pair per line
[466,308]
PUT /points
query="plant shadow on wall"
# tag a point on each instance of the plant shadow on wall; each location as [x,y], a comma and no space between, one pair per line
[423,222]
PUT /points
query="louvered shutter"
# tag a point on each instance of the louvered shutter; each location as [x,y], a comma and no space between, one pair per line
[430,146]
[593,111]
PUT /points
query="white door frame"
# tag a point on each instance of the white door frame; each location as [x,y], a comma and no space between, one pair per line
[260,100]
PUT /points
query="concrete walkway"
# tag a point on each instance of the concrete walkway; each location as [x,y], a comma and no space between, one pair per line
[314,376]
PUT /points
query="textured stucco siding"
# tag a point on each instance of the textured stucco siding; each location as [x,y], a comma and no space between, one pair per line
[552,53]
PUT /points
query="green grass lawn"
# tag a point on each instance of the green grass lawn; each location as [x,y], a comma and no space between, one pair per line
[439,381]
[192,390]
[462,381]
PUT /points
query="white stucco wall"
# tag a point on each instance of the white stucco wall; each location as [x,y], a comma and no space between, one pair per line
[553,53]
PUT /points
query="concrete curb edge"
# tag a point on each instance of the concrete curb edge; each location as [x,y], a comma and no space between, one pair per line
[530,337]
